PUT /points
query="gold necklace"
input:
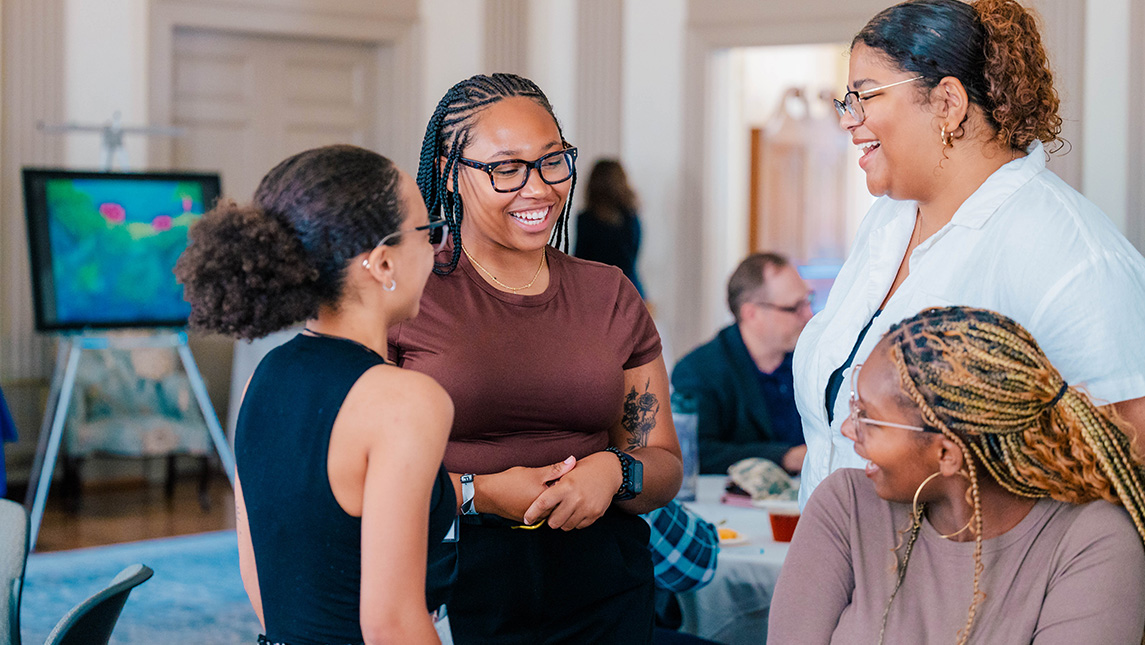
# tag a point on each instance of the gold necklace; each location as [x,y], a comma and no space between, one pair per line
[502,284]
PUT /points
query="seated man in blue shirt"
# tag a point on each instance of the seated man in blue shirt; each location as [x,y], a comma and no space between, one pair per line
[741,380]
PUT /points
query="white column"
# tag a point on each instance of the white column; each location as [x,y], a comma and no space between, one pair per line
[33,91]
[507,36]
[599,53]
[1063,34]
[1105,153]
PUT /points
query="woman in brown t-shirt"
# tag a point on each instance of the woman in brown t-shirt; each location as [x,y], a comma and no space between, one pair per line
[554,368]
[995,510]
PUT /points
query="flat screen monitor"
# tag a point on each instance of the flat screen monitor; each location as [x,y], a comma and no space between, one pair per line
[104,244]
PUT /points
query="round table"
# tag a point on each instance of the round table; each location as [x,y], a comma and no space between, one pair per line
[733,608]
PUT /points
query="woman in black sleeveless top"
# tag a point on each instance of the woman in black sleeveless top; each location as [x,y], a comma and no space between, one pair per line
[342,498]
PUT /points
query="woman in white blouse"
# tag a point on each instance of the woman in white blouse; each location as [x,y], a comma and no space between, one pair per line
[952,104]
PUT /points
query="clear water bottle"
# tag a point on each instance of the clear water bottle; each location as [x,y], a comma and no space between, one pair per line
[687,421]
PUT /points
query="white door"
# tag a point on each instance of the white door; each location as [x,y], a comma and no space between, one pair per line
[247,102]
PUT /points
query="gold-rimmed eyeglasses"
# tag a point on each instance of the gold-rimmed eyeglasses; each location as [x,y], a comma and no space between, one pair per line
[852,101]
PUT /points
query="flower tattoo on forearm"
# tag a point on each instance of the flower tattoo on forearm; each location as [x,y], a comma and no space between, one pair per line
[639,416]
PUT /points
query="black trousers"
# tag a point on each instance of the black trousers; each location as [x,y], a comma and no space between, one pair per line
[592,585]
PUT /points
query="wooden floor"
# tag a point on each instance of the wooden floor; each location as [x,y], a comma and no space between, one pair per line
[135,511]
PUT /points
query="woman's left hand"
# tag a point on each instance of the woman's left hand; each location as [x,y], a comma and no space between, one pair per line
[581,496]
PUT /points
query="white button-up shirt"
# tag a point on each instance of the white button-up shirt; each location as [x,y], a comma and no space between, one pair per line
[1024,244]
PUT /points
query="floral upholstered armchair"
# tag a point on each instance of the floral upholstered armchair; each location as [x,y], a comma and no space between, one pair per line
[133,402]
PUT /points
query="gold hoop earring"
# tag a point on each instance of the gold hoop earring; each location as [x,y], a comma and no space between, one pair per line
[916,513]
[947,138]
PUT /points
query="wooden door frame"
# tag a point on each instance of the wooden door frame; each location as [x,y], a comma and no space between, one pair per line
[388,26]
[712,27]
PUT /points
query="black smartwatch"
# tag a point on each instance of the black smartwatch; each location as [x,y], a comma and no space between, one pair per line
[633,471]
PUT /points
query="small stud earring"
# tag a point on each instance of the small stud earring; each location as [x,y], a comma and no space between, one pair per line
[366,263]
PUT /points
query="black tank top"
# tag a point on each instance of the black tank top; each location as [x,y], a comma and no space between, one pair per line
[307,549]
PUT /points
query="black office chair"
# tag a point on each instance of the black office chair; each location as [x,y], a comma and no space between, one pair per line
[92,621]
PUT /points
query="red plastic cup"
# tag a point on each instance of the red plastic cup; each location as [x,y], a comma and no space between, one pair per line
[783,524]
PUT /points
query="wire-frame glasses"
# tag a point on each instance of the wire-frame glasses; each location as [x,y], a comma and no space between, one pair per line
[860,422]
[437,234]
[853,105]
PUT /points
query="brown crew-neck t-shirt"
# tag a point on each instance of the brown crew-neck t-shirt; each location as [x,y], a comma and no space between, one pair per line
[533,379]
[1066,574]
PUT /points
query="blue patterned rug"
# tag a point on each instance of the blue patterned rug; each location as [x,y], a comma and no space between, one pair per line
[196,595]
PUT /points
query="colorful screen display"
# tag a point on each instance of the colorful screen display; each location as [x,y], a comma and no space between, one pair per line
[104,245]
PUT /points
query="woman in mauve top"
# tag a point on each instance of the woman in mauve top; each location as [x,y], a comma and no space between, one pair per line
[554,367]
[999,504]
[340,495]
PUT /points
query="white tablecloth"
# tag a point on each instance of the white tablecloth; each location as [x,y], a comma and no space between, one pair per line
[733,608]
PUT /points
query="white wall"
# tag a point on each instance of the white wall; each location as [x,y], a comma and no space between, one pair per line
[106,71]
[551,63]
[453,49]
[1105,153]
[651,147]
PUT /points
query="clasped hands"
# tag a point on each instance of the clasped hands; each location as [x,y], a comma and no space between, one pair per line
[571,494]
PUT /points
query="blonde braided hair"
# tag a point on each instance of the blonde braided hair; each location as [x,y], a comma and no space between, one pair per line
[983,381]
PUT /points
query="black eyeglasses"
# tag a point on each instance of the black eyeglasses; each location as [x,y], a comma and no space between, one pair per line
[805,303]
[437,235]
[511,175]
[852,105]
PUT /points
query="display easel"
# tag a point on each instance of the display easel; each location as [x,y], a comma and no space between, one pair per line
[72,346]
[60,397]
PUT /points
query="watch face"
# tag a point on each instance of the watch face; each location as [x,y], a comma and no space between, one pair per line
[637,483]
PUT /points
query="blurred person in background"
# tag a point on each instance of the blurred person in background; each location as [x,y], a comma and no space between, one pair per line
[741,380]
[608,229]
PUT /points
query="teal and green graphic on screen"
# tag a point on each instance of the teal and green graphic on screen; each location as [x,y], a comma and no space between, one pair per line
[112,246]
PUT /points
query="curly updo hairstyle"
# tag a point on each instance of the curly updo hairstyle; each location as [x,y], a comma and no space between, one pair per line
[448,134]
[250,270]
[992,46]
[980,379]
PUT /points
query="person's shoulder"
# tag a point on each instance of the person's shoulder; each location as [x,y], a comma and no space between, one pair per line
[845,488]
[399,390]
[1096,521]
[850,482]
[595,282]
[1049,207]
[580,268]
